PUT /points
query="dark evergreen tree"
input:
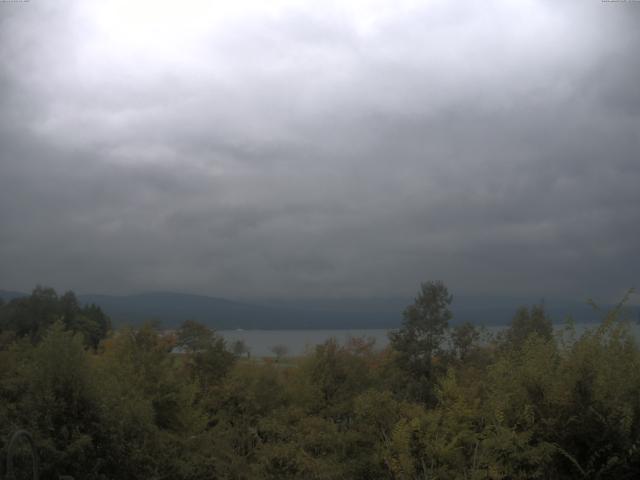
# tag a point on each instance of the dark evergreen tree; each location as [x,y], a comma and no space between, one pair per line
[527,322]
[420,338]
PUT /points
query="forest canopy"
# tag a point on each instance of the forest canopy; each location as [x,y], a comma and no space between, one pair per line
[440,401]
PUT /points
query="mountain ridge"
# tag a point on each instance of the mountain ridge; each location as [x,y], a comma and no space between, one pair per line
[172,308]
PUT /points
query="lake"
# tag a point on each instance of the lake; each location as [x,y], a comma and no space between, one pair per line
[298,342]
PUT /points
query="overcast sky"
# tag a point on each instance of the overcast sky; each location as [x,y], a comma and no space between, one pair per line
[320,149]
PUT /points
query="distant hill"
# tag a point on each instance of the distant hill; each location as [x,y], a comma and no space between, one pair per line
[7,295]
[480,310]
[172,308]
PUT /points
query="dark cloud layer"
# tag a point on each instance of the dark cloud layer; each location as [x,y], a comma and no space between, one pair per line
[335,150]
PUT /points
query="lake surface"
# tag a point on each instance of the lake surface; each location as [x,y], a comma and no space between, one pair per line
[298,342]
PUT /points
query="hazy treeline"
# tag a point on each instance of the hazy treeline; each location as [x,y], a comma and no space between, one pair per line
[440,402]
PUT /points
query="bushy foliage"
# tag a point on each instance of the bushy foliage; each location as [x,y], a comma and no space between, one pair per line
[144,404]
[30,317]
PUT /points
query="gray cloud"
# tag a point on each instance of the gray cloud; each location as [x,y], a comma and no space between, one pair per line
[335,150]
